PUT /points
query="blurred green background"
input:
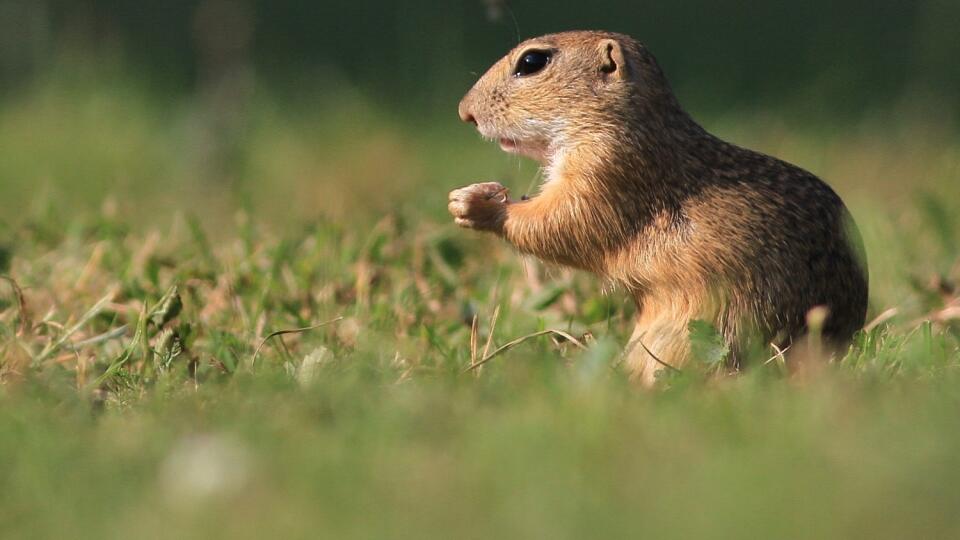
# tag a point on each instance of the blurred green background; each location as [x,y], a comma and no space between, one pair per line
[287,162]
[418,55]
[260,103]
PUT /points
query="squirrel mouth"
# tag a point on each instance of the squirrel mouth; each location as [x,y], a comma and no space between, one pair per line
[508,145]
[530,148]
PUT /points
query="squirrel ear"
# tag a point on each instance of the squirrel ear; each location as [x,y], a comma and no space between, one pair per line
[612,61]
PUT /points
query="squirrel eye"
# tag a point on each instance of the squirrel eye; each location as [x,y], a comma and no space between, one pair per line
[532,62]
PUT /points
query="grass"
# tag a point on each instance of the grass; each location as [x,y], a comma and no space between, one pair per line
[143,394]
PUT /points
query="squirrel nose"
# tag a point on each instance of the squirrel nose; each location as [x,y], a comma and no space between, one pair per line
[467,117]
[464,110]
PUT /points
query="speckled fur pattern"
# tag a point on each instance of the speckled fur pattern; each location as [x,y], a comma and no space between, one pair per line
[638,193]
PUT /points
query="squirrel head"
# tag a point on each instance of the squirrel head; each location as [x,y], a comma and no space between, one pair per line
[566,89]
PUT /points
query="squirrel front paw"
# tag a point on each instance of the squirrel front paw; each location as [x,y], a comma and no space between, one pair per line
[480,206]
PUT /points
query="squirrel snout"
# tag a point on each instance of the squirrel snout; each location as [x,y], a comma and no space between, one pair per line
[466,116]
[464,110]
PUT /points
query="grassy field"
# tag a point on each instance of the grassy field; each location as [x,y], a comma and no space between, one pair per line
[152,249]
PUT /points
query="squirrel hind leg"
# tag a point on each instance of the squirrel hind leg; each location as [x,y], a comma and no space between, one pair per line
[654,348]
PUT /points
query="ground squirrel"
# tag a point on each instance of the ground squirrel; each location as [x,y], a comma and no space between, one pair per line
[637,192]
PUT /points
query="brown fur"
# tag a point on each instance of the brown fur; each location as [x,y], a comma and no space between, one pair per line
[638,193]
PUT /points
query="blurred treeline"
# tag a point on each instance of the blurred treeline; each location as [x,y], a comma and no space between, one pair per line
[819,56]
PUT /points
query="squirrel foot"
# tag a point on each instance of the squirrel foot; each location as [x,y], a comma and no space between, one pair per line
[480,206]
